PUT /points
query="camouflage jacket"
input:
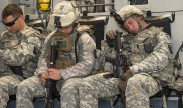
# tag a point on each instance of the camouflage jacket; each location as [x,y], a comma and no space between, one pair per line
[85,49]
[148,52]
[153,60]
[21,49]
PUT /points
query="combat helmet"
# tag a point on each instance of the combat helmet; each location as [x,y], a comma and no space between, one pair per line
[131,11]
[64,14]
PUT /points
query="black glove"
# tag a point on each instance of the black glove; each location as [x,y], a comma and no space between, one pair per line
[109,41]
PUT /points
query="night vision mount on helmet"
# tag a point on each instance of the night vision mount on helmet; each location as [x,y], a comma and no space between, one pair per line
[64,14]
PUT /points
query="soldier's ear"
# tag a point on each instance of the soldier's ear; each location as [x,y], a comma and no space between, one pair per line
[138,16]
[21,16]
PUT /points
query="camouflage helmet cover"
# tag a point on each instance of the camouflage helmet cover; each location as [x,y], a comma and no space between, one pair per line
[128,11]
[67,12]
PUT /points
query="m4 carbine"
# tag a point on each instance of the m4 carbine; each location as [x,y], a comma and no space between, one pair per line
[50,83]
[120,61]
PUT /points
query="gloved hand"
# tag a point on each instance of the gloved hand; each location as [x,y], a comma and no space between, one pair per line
[110,36]
[123,80]
[122,85]
[126,75]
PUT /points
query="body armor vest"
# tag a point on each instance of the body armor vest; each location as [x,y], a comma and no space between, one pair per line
[65,56]
[137,48]
[69,47]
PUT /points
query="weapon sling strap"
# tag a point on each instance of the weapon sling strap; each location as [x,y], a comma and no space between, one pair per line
[77,39]
[177,68]
[177,63]
[76,42]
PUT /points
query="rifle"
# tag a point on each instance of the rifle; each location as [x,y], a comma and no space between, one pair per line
[121,62]
[117,17]
[50,83]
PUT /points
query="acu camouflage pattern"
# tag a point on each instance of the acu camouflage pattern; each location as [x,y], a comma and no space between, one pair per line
[84,50]
[128,11]
[156,63]
[101,64]
[151,70]
[63,44]
[16,49]
[159,61]
[68,87]
[139,88]
[21,49]
[97,86]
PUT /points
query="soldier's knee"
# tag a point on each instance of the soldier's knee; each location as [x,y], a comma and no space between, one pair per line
[135,80]
[85,86]
[22,86]
[3,87]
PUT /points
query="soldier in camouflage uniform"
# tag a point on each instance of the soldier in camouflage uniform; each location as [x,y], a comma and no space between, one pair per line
[72,64]
[148,51]
[19,51]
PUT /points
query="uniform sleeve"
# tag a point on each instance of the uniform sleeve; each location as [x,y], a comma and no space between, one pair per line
[42,64]
[109,55]
[158,59]
[21,53]
[84,67]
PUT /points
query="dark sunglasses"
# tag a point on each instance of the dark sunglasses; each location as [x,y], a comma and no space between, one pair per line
[11,23]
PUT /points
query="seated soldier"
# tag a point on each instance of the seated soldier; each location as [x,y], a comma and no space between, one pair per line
[75,60]
[19,50]
[148,54]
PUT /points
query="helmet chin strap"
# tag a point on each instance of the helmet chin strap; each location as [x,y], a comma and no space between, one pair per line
[139,22]
[72,30]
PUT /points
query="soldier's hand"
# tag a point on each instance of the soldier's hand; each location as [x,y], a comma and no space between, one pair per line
[122,85]
[124,79]
[126,75]
[43,78]
[111,34]
[54,74]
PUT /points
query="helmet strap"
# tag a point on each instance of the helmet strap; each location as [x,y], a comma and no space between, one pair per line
[138,21]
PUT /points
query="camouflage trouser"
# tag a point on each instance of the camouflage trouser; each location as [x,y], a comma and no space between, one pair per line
[31,88]
[8,87]
[139,88]
[94,87]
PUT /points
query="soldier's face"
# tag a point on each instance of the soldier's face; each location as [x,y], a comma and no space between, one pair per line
[131,25]
[66,30]
[11,23]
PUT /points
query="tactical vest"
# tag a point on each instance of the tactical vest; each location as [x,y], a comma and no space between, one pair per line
[10,40]
[69,47]
[64,50]
[137,48]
